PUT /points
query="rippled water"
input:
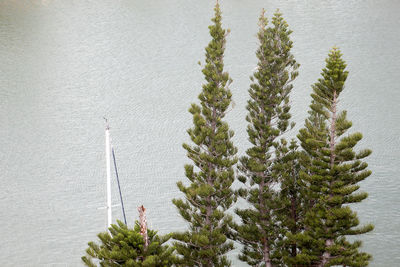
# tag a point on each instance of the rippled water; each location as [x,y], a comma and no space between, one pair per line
[66,64]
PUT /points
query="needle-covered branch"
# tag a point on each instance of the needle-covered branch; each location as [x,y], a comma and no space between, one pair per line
[209,195]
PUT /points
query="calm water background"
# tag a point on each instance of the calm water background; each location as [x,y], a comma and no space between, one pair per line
[66,64]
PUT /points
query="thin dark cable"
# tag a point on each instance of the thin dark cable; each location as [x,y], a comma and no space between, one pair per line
[119,187]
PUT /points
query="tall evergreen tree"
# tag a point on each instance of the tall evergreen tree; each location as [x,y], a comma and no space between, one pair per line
[209,194]
[332,171]
[293,202]
[126,247]
[268,119]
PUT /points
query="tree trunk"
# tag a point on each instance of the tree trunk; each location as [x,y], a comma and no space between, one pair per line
[326,256]
[143,225]
[266,248]
[266,252]
[332,133]
[293,252]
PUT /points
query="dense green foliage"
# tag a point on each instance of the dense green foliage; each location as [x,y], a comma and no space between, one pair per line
[298,199]
[125,247]
[268,119]
[209,193]
[332,171]
[294,202]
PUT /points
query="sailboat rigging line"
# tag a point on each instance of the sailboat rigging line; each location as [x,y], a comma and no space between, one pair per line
[119,187]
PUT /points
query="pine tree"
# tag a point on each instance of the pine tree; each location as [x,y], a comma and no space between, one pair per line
[126,247]
[293,202]
[209,194]
[268,119]
[332,171]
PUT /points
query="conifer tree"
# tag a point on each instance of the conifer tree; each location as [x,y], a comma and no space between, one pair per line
[209,194]
[332,171]
[126,247]
[268,117]
[293,202]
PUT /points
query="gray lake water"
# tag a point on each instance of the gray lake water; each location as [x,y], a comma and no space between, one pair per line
[66,64]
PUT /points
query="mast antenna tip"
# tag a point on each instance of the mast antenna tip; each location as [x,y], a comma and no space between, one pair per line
[106,120]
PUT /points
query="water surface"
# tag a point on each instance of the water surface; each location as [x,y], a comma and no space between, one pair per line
[66,64]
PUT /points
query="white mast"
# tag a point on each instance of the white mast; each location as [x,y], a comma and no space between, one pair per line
[108,161]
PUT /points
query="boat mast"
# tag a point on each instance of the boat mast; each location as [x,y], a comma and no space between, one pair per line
[108,164]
